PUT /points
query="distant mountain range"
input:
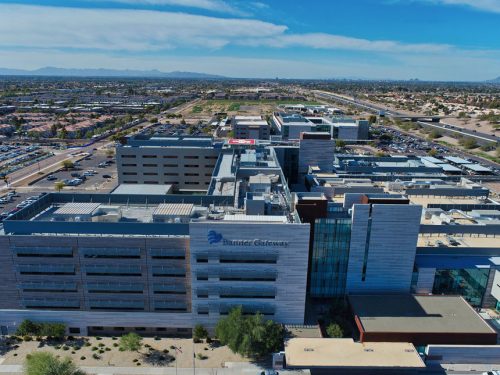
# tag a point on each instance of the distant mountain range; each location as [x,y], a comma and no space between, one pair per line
[63,72]
[496,80]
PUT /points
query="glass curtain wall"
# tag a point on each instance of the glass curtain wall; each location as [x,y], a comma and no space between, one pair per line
[469,283]
[330,256]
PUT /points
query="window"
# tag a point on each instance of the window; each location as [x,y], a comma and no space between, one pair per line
[202,278]
[172,182]
[128,156]
[150,165]
[50,252]
[149,156]
[170,174]
[151,182]
[170,165]
[208,174]
[130,182]
[170,157]
[192,183]
[191,174]
[191,157]
[129,165]
[74,330]
[130,173]
[111,252]
[211,157]
[191,166]
[150,174]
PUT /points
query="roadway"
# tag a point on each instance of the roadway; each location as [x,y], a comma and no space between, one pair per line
[481,137]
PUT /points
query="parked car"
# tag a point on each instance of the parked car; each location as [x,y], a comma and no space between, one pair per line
[51,178]
[106,176]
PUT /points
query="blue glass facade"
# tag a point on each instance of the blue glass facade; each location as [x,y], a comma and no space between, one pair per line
[330,255]
[469,283]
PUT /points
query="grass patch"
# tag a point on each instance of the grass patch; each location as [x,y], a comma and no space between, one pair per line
[197,109]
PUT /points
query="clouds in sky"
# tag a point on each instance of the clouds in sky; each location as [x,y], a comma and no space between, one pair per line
[211,5]
[33,36]
[147,30]
[483,5]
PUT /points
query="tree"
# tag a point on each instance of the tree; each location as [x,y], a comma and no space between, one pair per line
[131,342]
[340,143]
[199,332]
[334,330]
[372,119]
[59,185]
[28,327]
[385,138]
[55,330]
[468,143]
[432,152]
[251,336]
[110,153]
[62,133]
[45,363]
[435,134]
[67,164]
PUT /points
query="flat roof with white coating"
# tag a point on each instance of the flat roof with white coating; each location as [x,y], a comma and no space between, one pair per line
[333,353]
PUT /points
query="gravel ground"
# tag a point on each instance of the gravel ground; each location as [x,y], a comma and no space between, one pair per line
[216,356]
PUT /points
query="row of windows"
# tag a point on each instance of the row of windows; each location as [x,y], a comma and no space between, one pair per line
[169,165]
[100,287]
[166,182]
[169,157]
[238,278]
[165,174]
[238,296]
[239,261]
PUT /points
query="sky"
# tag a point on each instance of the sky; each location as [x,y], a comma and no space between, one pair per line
[453,40]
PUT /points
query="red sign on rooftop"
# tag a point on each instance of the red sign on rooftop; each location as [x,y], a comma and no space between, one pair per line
[243,142]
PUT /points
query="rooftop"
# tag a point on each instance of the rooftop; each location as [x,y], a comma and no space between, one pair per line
[417,314]
[142,189]
[331,353]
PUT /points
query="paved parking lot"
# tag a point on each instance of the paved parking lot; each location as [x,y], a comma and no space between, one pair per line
[95,183]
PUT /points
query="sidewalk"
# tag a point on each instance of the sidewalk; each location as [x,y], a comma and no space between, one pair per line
[109,370]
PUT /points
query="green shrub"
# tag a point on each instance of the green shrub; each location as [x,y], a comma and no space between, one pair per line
[199,332]
[96,356]
[115,344]
[83,358]
[334,330]
[27,338]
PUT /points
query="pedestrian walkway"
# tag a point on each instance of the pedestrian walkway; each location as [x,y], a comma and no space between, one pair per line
[111,370]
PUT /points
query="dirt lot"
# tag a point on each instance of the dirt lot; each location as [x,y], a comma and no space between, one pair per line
[153,353]
[205,109]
